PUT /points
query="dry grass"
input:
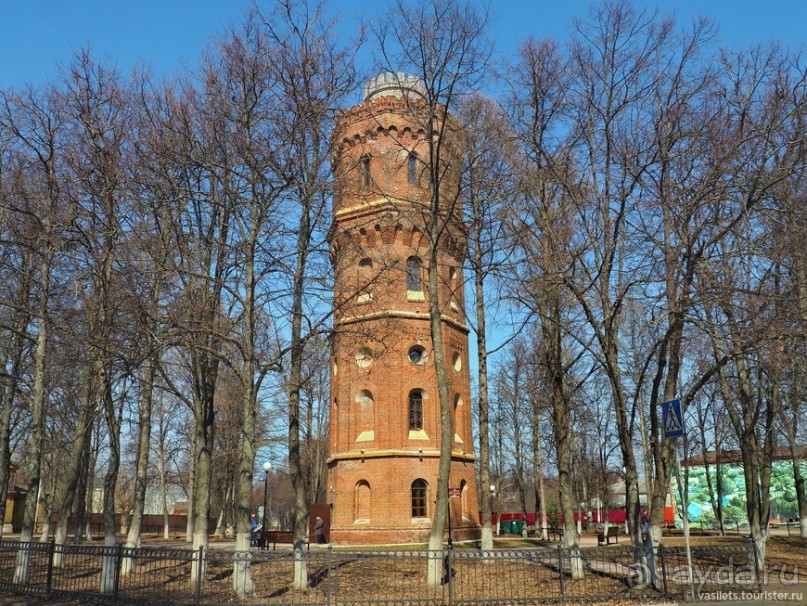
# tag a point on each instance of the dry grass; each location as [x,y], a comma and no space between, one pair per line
[784,554]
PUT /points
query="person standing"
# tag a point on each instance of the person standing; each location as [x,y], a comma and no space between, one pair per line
[319,530]
[254,529]
[644,520]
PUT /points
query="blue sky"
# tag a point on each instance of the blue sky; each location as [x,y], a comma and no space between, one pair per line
[37,35]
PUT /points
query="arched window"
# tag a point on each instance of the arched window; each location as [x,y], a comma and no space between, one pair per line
[412,167]
[419,498]
[368,179]
[364,416]
[464,499]
[413,270]
[454,292]
[365,398]
[458,419]
[415,410]
[362,504]
[365,280]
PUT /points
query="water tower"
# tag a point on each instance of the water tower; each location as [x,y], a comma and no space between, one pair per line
[385,415]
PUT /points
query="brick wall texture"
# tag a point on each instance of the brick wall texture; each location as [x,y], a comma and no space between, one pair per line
[382,348]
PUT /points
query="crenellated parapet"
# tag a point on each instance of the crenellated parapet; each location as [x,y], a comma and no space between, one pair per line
[391,231]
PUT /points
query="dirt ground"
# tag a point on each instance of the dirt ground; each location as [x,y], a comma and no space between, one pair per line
[788,554]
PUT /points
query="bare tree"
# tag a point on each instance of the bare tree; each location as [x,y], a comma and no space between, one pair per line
[313,73]
[442,44]
[486,186]
[35,121]
[96,103]
[543,235]
[542,231]
[512,393]
[17,273]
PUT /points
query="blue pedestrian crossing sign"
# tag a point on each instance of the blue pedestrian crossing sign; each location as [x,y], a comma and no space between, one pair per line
[673,419]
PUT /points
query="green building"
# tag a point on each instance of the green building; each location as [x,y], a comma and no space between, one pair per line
[703,499]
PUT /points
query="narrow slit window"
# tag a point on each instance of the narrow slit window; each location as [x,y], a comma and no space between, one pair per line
[366,168]
[412,166]
[413,271]
[415,411]
[365,275]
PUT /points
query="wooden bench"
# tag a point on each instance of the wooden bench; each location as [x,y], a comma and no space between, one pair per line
[555,532]
[273,537]
[604,538]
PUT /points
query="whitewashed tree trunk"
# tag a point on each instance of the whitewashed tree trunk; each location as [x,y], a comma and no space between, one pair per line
[37,403]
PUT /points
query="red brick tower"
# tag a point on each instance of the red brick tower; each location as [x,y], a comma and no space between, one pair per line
[385,414]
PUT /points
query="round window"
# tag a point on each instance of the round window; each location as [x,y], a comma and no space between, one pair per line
[364,357]
[417,355]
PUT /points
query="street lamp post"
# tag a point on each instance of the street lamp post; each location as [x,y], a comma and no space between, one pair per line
[267,467]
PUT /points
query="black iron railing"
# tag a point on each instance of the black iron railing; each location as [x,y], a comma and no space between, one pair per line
[328,576]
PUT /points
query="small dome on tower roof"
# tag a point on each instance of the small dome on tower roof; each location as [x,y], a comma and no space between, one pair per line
[395,84]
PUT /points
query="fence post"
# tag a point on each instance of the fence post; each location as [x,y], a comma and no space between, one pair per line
[560,572]
[328,578]
[197,591]
[118,562]
[49,581]
[663,561]
[450,573]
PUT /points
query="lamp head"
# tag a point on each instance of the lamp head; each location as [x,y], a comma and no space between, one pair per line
[267,467]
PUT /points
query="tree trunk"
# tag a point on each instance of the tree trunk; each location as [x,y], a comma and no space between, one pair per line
[441,512]
[538,470]
[242,577]
[82,489]
[293,387]
[718,476]
[561,417]
[483,402]
[142,459]
[719,511]
[204,442]
[163,468]
[48,498]
[76,465]
[189,520]
[801,497]
[37,406]
[13,361]
[112,417]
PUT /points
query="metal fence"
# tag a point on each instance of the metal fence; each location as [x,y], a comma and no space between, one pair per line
[118,575]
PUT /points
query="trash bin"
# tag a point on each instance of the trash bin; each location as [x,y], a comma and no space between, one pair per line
[517,526]
[506,527]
